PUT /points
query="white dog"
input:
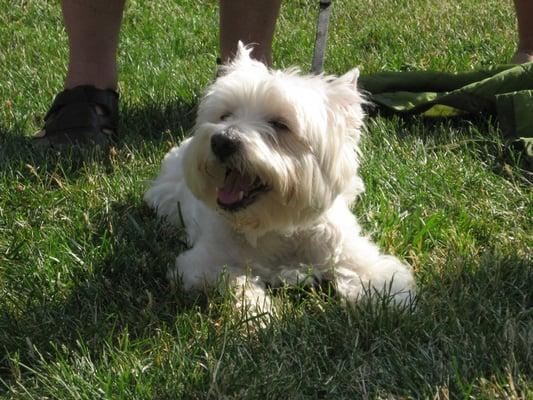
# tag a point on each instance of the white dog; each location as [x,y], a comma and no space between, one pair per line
[264,187]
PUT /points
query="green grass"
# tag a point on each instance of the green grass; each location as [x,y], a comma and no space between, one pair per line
[85,311]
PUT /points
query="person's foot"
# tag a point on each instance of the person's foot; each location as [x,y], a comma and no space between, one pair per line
[521,57]
[83,116]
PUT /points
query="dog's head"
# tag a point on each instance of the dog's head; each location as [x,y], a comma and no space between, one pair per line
[273,149]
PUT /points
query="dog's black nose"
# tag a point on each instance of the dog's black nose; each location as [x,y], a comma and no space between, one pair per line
[224,144]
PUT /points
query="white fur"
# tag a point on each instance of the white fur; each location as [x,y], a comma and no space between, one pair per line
[304,222]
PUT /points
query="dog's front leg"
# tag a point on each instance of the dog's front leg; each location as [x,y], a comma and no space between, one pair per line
[198,268]
[201,267]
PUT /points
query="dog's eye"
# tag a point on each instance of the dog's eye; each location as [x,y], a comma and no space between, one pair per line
[278,125]
[225,116]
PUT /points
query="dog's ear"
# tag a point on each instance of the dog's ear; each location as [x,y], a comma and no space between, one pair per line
[241,59]
[343,90]
[243,53]
[351,77]
[345,121]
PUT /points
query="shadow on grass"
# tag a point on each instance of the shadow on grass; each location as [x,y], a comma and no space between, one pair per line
[471,324]
[127,289]
[151,123]
[139,125]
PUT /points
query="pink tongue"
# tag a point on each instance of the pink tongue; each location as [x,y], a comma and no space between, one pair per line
[234,183]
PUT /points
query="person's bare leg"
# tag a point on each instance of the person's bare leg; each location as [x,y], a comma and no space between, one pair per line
[93,28]
[524,16]
[253,22]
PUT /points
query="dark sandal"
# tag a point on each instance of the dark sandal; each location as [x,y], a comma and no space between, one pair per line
[82,116]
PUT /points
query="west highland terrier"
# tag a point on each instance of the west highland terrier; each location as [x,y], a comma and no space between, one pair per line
[264,187]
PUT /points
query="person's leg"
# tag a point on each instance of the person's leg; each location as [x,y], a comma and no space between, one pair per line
[93,28]
[524,16]
[251,21]
[86,112]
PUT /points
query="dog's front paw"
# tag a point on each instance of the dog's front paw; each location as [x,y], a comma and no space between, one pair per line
[184,278]
[176,278]
[302,275]
[251,298]
[387,277]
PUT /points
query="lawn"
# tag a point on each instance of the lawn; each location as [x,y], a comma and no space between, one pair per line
[86,312]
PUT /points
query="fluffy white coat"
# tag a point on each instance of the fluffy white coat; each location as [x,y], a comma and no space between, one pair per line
[268,198]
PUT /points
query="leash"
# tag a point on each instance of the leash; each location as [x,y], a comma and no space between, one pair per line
[317,65]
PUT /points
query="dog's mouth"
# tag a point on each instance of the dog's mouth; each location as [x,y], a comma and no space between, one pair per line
[239,190]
